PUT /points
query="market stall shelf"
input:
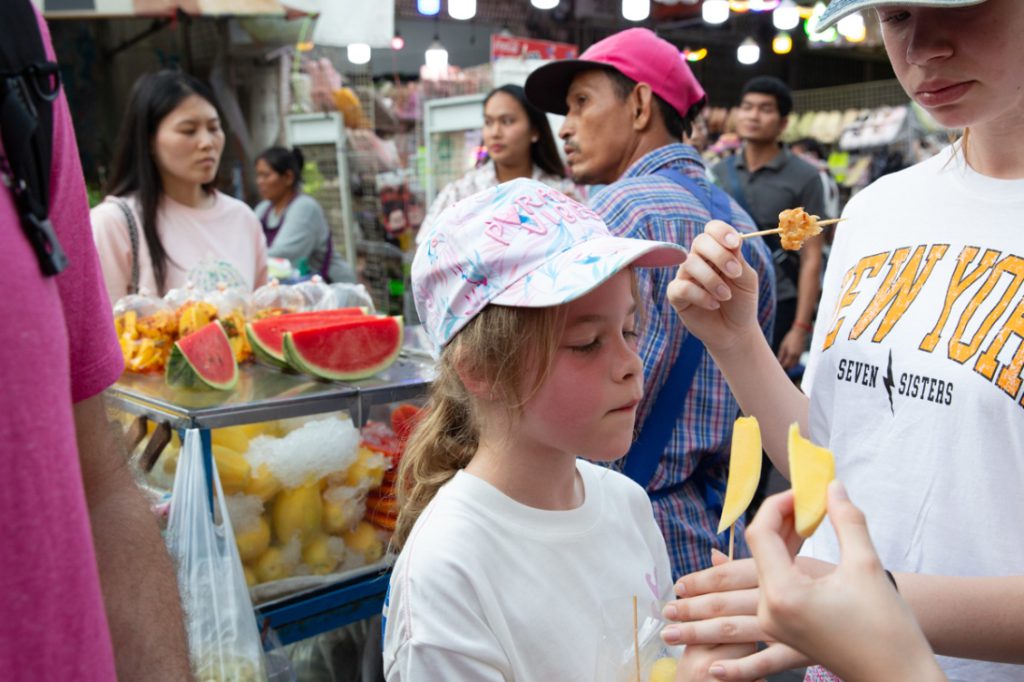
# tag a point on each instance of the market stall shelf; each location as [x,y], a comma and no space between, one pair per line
[264,394]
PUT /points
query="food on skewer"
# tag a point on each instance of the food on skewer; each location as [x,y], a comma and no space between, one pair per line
[744,473]
[811,468]
[795,227]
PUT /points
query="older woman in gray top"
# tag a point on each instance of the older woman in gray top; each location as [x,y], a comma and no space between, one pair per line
[293,222]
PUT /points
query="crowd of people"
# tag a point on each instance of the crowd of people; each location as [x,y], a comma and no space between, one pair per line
[593,349]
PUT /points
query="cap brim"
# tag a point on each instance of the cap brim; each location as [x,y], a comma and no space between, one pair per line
[547,86]
[577,271]
[837,9]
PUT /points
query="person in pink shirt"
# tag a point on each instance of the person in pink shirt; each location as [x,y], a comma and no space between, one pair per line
[87,591]
[164,224]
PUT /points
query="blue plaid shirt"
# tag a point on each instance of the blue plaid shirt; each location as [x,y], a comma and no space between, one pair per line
[694,467]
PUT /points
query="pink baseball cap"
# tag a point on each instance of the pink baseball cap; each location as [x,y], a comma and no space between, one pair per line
[636,53]
[520,244]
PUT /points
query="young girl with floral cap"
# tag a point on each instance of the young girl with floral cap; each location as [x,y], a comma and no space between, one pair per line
[510,543]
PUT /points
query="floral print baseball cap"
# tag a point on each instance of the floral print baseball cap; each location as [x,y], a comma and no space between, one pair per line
[520,244]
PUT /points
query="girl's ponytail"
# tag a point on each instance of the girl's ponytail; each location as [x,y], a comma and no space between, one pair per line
[443,442]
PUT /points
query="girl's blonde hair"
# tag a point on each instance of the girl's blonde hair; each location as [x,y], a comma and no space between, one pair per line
[495,348]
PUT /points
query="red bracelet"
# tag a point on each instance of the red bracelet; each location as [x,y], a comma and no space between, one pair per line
[803,326]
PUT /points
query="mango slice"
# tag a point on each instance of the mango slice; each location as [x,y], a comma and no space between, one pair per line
[744,470]
[811,468]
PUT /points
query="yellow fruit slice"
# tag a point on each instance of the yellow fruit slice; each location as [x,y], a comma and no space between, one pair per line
[811,468]
[318,556]
[298,512]
[235,472]
[253,541]
[663,670]
[234,437]
[744,470]
[363,539]
[263,484]
[271,566]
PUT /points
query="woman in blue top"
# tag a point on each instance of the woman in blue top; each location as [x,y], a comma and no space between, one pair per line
[293,222]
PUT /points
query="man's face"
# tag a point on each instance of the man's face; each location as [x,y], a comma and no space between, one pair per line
[598,130]
[758,119]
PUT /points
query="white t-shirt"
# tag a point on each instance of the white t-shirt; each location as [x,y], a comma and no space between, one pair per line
[489,589]
[915,375]
[223,242]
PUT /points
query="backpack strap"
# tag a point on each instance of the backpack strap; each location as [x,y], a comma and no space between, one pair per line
[646,452]
[29,83]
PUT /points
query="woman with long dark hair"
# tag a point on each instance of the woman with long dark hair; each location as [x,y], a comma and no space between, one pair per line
[293,222]
[519,144]
[163,223]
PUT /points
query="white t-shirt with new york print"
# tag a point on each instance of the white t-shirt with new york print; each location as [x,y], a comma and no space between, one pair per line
[915,375]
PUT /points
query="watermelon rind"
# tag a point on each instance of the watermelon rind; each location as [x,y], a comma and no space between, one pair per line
[305,364]
[182,372]
[269,354]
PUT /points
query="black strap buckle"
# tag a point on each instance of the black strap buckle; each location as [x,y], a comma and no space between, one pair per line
[49,253]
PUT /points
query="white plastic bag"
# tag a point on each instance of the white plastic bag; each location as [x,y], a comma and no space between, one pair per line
[224,642]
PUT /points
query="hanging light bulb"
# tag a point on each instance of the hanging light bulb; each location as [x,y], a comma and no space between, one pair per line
[811,24]
[786,16]
[782,43]
[462,9]
[852,25]
[436,58]
[397,41]
[636,10]
[359,53]
[544,4]
[428,7]
[748,52]
[762,5]
[715,11]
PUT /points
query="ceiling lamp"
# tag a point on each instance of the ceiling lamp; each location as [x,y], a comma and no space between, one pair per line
[462,9]
[763,5]
[748,52]
[436,59]
[397,41]
[428,7]
[782,43]
[636,10]
[358,53]
[715,11]
[544,4]
[786,16]
[852,27]
[694,55]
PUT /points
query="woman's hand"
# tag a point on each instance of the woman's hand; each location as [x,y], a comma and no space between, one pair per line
[697,660]
[715,290]
[827,616]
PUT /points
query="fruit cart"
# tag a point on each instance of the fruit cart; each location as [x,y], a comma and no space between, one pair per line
[264,394]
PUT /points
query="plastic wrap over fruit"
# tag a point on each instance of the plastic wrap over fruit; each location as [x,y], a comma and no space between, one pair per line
[275,298]
[316,294]
[348,295]
[233,308]
[146,329]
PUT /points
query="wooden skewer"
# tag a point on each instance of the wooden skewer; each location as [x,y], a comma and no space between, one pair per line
[732,539]
[778,230]
[636,637]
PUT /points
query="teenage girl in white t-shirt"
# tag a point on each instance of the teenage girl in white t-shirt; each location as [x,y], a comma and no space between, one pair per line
[915,377]
[163,223]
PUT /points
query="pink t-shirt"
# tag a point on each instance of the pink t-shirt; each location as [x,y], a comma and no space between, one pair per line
[224,242]
[58,347]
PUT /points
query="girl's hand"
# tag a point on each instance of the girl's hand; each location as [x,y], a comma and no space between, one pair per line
[828,616]
[719,605]
[696,662]
[715,290]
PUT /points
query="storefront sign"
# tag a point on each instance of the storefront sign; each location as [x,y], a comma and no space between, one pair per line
[503,46]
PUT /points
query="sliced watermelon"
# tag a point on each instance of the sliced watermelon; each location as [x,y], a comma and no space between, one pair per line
[348,350]
[266,336]
[203,359]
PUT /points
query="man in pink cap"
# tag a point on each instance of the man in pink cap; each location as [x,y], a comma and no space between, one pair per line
[628,100]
